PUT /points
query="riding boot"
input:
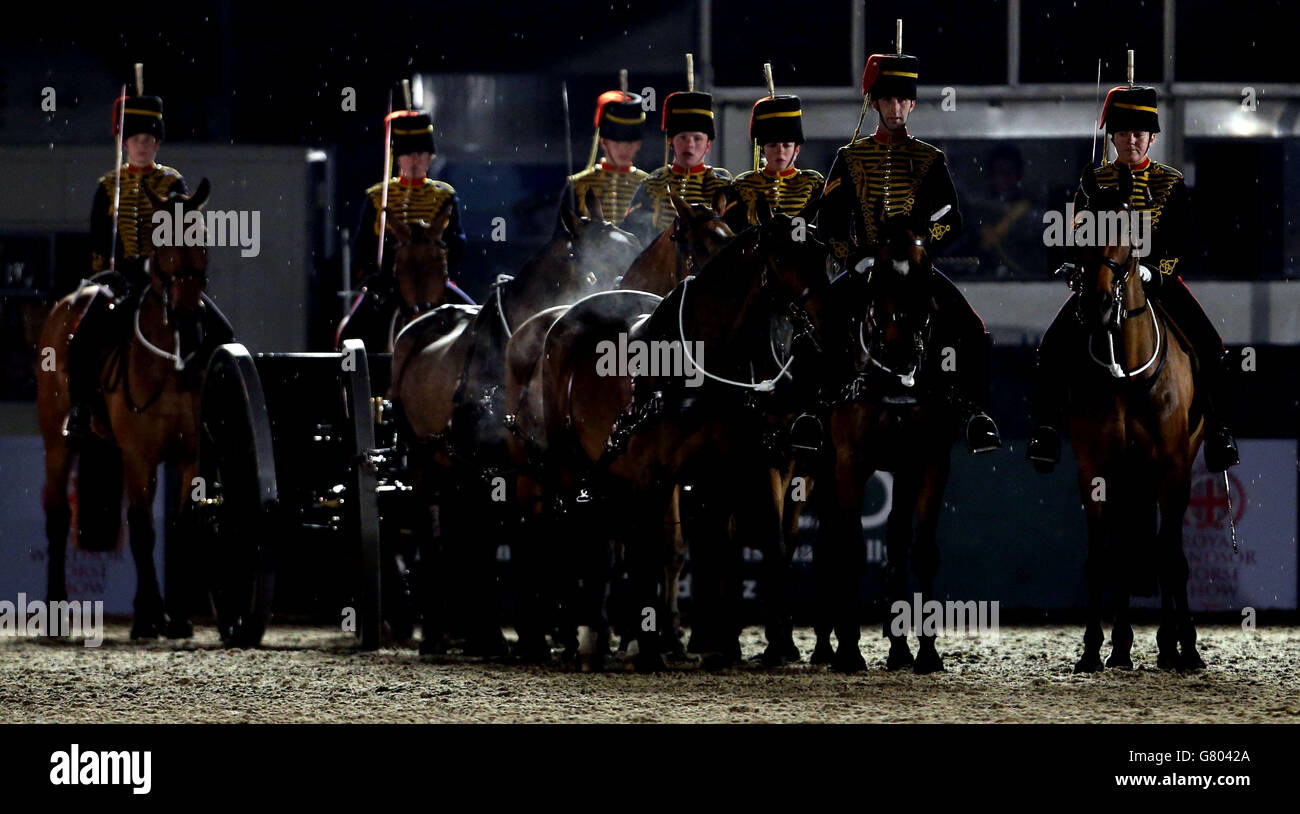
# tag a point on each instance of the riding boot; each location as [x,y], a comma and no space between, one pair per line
[958,321]
[84,359]
[1210,377]
[1047,401]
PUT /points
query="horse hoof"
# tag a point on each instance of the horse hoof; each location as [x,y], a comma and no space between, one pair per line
[1119,659]
[1090,663]
[823,653]
[900,656]
[179,629]
[773,657]
[1169,661]
[928,661]
[487,646]
[848,661]
[433,647]
[1190,660]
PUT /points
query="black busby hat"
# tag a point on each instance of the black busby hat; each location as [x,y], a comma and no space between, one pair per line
[1130,109]
[412,132]
[688,112]
[890,75]
[142,114]
[619,116]
[778,118]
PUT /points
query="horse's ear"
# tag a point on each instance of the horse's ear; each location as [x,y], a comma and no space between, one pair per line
[156,202]
[680,204]
[594,210]
[200,197]
[441,222]
[1090,187]
[1125,182]
[720,203]
[762,210]
[572,223]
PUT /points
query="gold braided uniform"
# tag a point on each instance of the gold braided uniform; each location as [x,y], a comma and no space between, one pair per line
[1158,189]
[787,193]
[896,175]
[614,187]
[652,211]
[134,214]
[410,202]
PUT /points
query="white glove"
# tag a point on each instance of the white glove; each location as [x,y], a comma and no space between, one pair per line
[1144,273]
[864,264]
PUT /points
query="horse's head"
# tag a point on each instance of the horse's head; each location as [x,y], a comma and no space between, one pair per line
[699,231]
[896,326]
[179,270]
[1103,271]
[601,250]
[794,270]
[902,244]
[420,260]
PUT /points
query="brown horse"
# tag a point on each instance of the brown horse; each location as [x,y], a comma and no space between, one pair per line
[1135,437]
[887,414]
[420,274]
[696,235]
[151,392]
[449,368]
[672,432]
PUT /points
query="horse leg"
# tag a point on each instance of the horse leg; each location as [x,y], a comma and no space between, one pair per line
[177,563]
[898,540]
[768,526]
[1095,569]
[642,554]
[58,519]
[1176,619]
[925,560]
[1130,512]
[674,547]
[141,484]
[849,557]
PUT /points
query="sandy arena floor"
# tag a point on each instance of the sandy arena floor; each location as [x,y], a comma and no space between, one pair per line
[317,675]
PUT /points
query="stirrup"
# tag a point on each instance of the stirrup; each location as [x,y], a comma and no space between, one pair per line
[1044,449]
[982,433]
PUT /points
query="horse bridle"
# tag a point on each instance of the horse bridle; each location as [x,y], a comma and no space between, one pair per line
[684,256]
[1122,272]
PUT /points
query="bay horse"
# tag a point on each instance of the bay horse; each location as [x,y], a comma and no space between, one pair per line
[1135,436]
[886,414]
[422,284]
[628,442]
[151,384]
[449,369]
[697,234]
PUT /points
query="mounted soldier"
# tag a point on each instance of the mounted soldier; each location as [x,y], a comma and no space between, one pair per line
[1132,122]
[620,124]
[891,175]
[776,128]
[688,127]
[121,224]
[409,196]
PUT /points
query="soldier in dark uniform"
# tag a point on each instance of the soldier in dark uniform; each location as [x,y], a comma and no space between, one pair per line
[892,174]
[412,196]
[620,123]
[1131,122]
[688,125]
[776,126]
[102,325]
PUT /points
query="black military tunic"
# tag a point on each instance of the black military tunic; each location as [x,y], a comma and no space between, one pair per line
[651,211]
[893,174]
[134,215]
[788,192]
[411,201]
[1158,189]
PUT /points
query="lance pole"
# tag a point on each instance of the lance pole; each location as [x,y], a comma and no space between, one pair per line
[383,195]
[117,172]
